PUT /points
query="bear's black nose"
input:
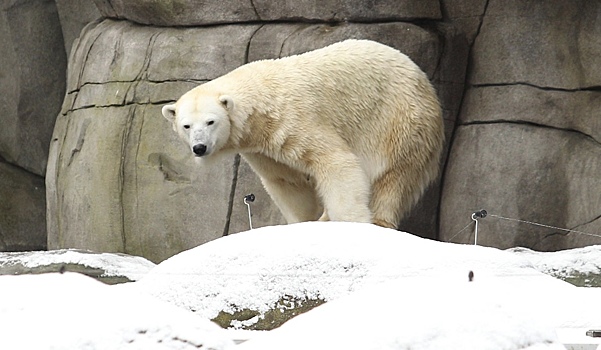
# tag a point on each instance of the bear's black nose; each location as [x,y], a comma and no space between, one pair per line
[199,149]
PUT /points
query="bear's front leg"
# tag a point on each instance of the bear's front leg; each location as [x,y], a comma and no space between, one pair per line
[291,191]
[344,187]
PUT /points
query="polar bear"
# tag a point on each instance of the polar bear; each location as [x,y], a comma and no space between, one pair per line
[349,132]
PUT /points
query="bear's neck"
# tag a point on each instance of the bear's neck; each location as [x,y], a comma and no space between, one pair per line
[254,119]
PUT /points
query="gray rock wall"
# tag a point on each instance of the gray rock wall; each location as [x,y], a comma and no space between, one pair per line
[528,142]
[518,81]
[32,85]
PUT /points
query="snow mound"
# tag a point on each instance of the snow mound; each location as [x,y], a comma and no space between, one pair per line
[257,269]
[72,311]
[385,290]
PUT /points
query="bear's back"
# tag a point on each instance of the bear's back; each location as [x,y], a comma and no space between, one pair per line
[371,95]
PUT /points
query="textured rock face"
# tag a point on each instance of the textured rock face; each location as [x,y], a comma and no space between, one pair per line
[118,174]
[74,15]
[552,44]
[32,69]
[22,210]
[189,13]
[528,145]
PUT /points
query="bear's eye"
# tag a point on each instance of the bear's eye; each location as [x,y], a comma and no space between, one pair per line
[210,122]
[186,126]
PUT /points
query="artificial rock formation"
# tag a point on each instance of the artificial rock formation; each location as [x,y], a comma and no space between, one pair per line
[32,70]
[528,144]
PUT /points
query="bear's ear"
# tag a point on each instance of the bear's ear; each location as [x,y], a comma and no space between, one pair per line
[227,102]
[169,112]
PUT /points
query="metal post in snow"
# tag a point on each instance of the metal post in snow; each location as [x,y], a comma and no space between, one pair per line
[249,198]
[480,214]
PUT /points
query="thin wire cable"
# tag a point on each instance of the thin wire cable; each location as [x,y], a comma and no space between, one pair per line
[463,229]
[547,226]
[530,223]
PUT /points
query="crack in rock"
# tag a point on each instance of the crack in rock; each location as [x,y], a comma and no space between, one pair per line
[252,4]
[593,88]
[587,223]
[80,141]
[122,172]
[128,104]
[530,123]
[235,168]
[166,81]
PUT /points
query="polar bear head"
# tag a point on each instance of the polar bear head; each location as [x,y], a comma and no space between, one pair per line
[201,120]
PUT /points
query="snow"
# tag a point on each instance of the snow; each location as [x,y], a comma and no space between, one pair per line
[410,314]
[132,267]
[255,269]
[564,263]
[384,289]
[72,311]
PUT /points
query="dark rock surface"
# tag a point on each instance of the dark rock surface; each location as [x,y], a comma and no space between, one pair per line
[284,310]
[32,84]
[22,209]
[528,142]
[189,13]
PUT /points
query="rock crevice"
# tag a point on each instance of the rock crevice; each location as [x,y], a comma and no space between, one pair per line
[594,88]
[531,124]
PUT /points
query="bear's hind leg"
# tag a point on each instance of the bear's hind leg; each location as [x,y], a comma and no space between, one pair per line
[393,197]
[324,216]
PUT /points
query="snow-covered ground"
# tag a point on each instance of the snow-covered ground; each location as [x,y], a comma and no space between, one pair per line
[73,311]
[111,264]
[255,269]
[384,290]
[566,264]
